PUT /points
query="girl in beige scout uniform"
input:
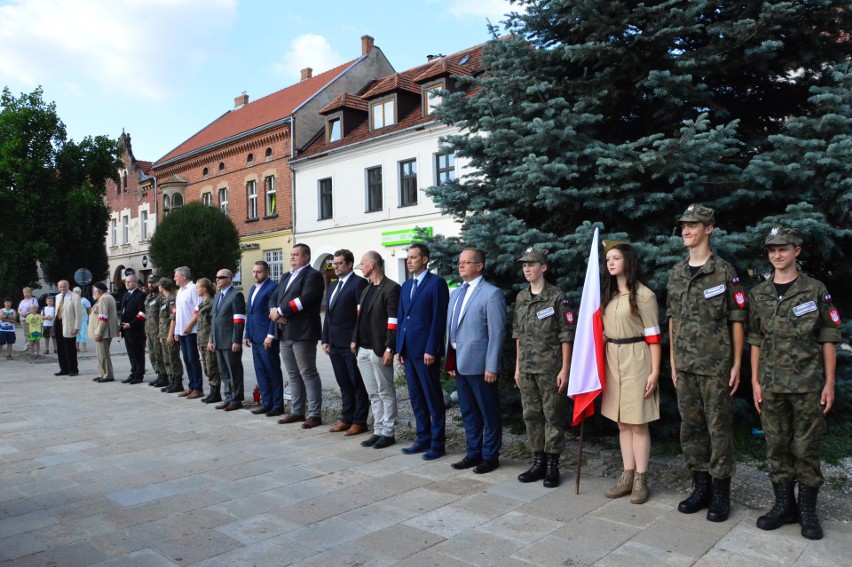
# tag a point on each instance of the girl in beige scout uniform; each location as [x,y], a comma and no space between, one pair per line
[631,321]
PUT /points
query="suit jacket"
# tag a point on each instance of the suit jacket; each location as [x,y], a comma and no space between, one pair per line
[481,331]
[300,305]
[103,320]
[133,312]
[258,324]
[70,311]
[422,318]
[229,319]
[342,315]
[379,316]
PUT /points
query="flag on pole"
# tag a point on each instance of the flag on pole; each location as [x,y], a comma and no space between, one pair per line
[588,370]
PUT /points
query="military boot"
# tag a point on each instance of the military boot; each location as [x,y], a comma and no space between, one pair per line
[639,493]
[807,512]
[162,380]
[536,471]
[702,492]
[784,511]
[623,487]
[176,386]
[720,505]
[168,385]
[551,473]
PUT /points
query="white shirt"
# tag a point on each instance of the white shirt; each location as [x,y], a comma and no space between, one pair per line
[340,282]
[293,275]
[185,303]
[471,285]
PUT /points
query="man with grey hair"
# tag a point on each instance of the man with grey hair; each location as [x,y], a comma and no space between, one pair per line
[67,324]
[226,338]
[132,325]
[186,330]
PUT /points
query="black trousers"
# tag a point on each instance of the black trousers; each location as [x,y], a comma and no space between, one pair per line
[135,346]
[356,402]
[66,350]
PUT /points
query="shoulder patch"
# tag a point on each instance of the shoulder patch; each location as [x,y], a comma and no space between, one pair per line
[736,281]
[569,316]
[835,316]
[740,298]
[828,298]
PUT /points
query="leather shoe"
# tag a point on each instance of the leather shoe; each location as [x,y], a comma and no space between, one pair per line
[136,381]
[185,393]
[466,463]
[127,380]
[311,422]
[384,441]
[61,374]
[486,466]
[275,412]
[234,406]
[222,406]
[355,430]
[103,380]
[96,379]
[370,441]
[212,399]
[291,418]
[432,454]
[414,449]
[194,394]
[260,410]
[75,373]
[340,426]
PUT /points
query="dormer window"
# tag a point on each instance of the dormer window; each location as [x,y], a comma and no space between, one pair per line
[333,130]
[431,98]
[383,114]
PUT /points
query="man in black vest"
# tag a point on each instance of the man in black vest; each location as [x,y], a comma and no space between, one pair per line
[132,325]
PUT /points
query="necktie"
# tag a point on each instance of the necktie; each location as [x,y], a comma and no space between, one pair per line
[413,289]
[59,307]
[336,293]
[454,326]
[219,301]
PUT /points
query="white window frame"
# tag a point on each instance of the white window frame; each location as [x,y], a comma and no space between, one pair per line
[143,224]
[271,195]
[383,114]
[223,203]
[125,229]
[275,259]
[251,196]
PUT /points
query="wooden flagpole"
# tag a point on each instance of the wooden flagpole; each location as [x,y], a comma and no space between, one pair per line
[580,456]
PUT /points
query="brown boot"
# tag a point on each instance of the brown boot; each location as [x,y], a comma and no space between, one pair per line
[624,486]
[640,489]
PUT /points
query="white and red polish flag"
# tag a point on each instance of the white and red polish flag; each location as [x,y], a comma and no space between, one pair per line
[588,370]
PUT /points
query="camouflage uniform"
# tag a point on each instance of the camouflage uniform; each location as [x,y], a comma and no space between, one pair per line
[208,359]
[541,324]
[153,301]
[700,310]
[790,332]
[171,354]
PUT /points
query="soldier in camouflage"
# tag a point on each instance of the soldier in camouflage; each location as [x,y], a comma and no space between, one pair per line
[543,329]
[206,291]
[706,311]
[153,302]
[793,331]
[171,348]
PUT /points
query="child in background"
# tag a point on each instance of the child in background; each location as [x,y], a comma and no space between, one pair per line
[7,327]
[34,325]
[49,312]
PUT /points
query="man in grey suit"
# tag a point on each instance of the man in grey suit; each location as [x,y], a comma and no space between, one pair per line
[476,328]
[226,339]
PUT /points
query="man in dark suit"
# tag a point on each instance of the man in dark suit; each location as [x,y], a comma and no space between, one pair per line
[132,324]
[337,332]
[295,307]
[228,325]
[422,317]
[265,350]
[476,329]
[375,343]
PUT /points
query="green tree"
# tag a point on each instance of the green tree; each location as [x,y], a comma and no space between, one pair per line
[203,238]
[52,194]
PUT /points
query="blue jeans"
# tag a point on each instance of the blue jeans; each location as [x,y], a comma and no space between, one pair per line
[191,360]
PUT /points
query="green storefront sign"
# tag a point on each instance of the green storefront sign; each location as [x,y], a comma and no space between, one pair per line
[405,236]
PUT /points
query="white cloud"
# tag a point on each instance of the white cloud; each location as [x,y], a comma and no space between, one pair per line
[308,50]
[494,10]
[126,47]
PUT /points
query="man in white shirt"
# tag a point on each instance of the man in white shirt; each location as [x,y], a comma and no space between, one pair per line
[185,328]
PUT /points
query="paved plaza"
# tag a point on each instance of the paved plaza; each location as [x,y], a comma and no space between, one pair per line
[113,474]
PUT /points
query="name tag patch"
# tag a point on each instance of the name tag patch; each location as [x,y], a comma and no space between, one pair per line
[714,291]
[545,313]
[804,308]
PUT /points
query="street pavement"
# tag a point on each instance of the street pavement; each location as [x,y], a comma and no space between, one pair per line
[114,474]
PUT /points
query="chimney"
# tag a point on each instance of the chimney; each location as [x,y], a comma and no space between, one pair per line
[366,44]
[241,100]
[307,73]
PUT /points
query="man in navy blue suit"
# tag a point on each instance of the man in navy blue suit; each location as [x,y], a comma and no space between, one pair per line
[337,335]
[265,349]
[422,317]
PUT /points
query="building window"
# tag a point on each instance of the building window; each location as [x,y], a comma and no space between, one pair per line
[431,98]
[125,229]
[325,199]
[445,168]
[114,232]
[269,188]
[268,153]
[205,172]
[334,130]
[207,199]
[167,204]
[124,181]
[250,159]
[383,114]
[143,223]
[408,183]
[275,259]
[223,200]
[374,189]
[177,201]
[221,166]
[251,191]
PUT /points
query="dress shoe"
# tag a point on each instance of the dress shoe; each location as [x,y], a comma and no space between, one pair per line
[61,374]
[384,441]
[96,379]
[486,466]
[433,454]
[223,405]
[234,406]
[466,463]
[416,448]
[291,418]
[104,380]
[275,412]
[195,394]
[371,441]
[340,426]
[136,381]
[260,410]
[213,399]
[127,380]
[311,422]
[75,373]
[355,430]
[184,394]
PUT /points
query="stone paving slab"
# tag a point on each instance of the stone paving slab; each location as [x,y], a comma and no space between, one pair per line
[112,474]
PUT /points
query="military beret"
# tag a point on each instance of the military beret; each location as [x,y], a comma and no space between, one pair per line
[533,254]
[779,236]
[698,213]
[101,286]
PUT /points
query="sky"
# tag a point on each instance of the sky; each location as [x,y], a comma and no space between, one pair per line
[161,70]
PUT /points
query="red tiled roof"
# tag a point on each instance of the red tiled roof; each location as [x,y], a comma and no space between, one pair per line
[145,166]
[255,114]
[443,67]
[345,100]
[395,82]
